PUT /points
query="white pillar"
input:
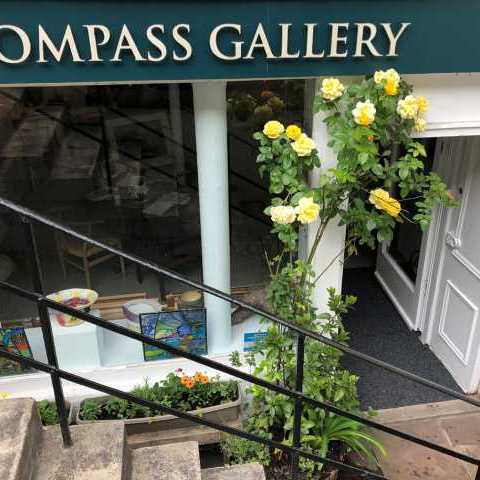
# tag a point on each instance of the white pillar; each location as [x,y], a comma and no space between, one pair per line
[210,107]
[334,237]
[177,134]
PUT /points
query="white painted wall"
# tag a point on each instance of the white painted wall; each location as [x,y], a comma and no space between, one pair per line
[334,236]
[454,103]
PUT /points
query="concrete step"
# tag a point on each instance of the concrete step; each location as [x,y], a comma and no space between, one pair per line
[20,430]
[177,461]
[200,434]
[99,452]
[249,471]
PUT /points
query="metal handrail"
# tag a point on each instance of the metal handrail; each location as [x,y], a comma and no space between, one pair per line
[44,303]
[71,377]
[26,212]
[207,362]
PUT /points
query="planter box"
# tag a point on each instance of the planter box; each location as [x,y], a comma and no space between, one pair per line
[224,413]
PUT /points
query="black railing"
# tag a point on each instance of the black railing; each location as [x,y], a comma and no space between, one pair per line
[43,304]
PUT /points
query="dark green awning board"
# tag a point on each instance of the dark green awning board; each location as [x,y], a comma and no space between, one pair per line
[171,39]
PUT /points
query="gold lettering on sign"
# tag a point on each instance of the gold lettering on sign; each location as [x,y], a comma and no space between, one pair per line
[237,46]
[25,41]
[228,42]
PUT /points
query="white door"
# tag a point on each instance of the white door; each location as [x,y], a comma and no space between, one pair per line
[400,263]
[453,331]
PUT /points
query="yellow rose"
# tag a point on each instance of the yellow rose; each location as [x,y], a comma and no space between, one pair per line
[422,103]
[273,129]
[332,88]
[383,201]
[307,210]
[293,132]
[283,214]
[303,145]
[390,78]
[379,76]
[364,113]
[391,87]
[420,124]
[408,107]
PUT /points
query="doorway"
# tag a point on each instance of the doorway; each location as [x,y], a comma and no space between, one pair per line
[433,279]
[452,327]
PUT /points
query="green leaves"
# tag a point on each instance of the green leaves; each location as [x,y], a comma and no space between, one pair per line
[48,412]
[286,170]
[382,157]
[170,392]
[377,170]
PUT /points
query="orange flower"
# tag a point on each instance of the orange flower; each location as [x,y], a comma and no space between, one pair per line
[186,381]
[200,377]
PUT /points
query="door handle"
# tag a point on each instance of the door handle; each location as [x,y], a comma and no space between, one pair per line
[452,240]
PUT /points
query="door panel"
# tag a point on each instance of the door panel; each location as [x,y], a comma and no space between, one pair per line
[454,330]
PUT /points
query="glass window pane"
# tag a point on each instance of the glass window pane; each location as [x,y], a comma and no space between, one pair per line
[250,106]
[117,163]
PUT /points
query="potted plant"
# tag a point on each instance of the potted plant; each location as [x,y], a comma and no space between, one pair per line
[210,397]
[379,167]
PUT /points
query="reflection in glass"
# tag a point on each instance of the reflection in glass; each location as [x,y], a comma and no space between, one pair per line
[250,106]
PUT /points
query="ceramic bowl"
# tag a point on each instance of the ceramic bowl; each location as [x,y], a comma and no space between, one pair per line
[78,298]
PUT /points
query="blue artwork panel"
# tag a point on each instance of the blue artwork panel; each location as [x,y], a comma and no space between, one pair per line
[183,329]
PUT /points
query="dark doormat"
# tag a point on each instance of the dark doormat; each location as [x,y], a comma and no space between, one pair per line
[377,329]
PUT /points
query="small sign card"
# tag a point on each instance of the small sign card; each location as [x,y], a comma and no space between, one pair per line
[251,339]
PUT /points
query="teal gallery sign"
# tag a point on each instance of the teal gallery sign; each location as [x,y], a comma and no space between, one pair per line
[84,41]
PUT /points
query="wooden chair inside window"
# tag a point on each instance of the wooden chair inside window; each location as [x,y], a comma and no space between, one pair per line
[83,255]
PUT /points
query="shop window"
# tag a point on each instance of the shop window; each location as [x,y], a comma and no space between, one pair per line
[118,163]
[115,162]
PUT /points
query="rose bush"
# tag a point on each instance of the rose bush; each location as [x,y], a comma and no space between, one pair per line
[379,166]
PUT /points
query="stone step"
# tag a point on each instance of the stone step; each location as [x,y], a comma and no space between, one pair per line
[177,461]
[249,471]
[194,433]
[99,452]
[20,431]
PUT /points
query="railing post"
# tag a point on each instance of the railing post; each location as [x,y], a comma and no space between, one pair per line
[47,334]
[297,419]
